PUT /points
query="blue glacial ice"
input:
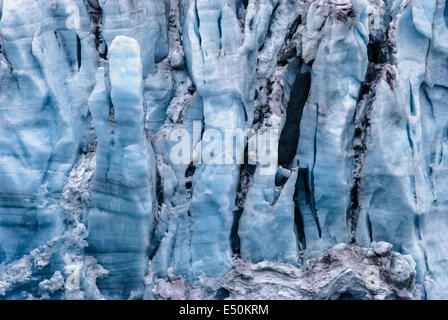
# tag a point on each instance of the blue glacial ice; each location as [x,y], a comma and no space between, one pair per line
[196,149]
[339,56]
[123,195]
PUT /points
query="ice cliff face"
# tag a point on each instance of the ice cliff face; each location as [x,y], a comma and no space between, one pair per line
[223,149]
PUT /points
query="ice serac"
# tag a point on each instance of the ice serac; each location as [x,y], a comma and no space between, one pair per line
[171,241]
[267,228]
[434,97]
[267,197]
[147,22]
[144,20]
[404,150]
[336,44]
[123,192]
[46,72]
[221,63]
[411,91]
[392,160]
[388,162]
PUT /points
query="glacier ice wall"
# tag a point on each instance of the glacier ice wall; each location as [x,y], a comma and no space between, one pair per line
[118,178]
[326,133]
[123,197]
